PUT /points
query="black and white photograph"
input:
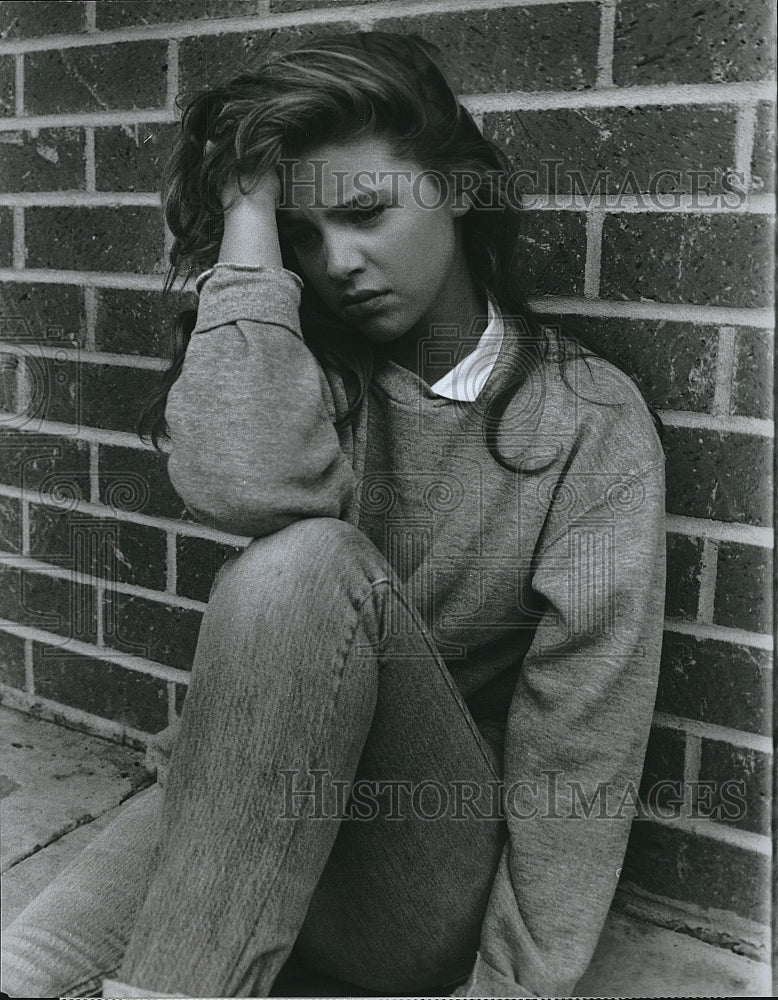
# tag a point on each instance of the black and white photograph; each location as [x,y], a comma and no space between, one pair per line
[386,498]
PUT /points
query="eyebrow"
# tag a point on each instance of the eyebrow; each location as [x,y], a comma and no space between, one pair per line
[355,201]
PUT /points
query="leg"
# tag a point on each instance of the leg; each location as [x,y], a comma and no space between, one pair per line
[400,903]
[76,931]
[286,681]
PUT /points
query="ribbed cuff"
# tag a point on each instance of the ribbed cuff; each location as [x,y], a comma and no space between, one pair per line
[231,293]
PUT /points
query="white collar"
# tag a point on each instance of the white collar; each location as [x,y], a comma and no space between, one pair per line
[465,380]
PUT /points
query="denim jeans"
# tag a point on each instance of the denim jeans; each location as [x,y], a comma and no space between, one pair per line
[313,679]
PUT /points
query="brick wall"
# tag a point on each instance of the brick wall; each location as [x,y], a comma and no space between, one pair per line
[104,577]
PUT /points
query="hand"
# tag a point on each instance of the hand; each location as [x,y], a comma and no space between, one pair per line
[261,196]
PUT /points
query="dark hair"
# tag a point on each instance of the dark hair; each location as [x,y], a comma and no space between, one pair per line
[331,90]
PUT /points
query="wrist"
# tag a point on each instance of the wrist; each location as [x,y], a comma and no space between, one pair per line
[250,236]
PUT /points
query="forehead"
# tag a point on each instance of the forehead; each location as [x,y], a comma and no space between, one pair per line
[327,176]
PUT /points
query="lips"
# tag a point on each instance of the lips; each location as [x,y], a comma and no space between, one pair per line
[362,303]
[358,298]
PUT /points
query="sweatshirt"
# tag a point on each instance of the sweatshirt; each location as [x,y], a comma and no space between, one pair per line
[542,584]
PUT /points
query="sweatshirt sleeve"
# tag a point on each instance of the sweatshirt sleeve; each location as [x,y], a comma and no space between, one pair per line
[250,417]
[576,734]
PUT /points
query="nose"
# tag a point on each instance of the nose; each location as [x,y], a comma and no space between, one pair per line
[343,256]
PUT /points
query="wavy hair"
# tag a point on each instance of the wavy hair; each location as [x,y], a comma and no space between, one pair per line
[331,90]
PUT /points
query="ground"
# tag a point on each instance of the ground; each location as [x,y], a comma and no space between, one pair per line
[59,788]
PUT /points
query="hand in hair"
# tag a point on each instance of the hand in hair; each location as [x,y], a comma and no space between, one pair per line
[250,227]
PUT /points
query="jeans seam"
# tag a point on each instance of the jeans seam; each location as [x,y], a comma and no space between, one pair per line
[440,664]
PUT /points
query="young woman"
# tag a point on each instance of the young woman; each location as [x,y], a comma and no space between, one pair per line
[408,758]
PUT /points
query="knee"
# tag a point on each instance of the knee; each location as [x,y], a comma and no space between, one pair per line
[310,556]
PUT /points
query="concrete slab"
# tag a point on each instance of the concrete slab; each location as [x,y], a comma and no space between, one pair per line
[64,788]
[636,959]
[53,780]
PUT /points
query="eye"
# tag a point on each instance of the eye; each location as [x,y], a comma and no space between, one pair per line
[363,215]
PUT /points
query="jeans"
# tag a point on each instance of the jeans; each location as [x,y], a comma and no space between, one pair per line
[312,678]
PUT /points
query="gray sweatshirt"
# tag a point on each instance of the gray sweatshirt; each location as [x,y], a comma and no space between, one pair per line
[543,587]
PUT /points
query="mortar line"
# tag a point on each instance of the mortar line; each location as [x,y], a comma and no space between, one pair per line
[90,180]
[90,319]
[94,472]
[265,22]
[711,731]
[171,570]
[692,757]
[127,660]
[606,43]
[19,250]
[29,668]
[725,371]
[708,574]
[594,224]
[19,84]
[172,74]
[90,15]
[745,134]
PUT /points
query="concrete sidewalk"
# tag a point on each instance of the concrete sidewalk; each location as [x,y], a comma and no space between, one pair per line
[59,788]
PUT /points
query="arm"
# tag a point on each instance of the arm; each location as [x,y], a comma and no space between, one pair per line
[253,447]
[581,711]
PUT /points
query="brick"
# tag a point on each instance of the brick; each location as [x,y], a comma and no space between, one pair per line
[97,239]
[113,550]
[138,322]
[152,630]
[673,41]
[684,556]
[752,383]
[716,682]
[718,475]
[108,396]
[99,78]
[133,157]
[674,364]
[41,461]
[117,14]
[50,603]
[137,480]
[714,259]
[101,688]
[51,314]
[12,670]
[6,237]
[514,48]
[10,524]
[744,587]
[198,560]
[615,142]
[667,861]
[554,245]
[723,764]
[763,156]
[664,763]
[211,59]
[51,160]
[21,19]
[7,86]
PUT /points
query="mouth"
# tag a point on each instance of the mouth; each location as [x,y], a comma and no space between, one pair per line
[358,303]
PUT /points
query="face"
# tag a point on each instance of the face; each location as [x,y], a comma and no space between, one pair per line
[372,237]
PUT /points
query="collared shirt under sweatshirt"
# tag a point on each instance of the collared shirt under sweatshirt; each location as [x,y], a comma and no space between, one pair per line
[543,587]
